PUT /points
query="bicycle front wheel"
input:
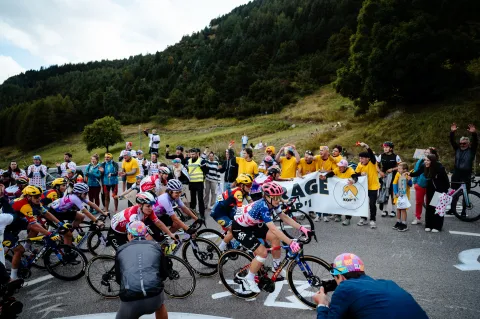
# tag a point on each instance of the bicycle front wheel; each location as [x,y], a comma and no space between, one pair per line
[65,262]
[180,282]
[232,265]
[100,275]
[211,234]
[467,212]
[98,244]
[305,276]
[202,255]
[300,217]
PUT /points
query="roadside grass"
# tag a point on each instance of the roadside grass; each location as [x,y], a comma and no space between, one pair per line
[323,118]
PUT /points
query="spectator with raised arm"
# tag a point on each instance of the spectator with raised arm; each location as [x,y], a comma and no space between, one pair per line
[66,165]
[154,141]
[289,161]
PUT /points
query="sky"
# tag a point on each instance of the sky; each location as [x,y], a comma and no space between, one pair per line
[35,33]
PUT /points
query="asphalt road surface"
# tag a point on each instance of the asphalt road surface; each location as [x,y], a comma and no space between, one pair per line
[441,271]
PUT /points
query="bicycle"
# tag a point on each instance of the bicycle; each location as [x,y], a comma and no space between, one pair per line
[53,255]
[469,210]
[236,263]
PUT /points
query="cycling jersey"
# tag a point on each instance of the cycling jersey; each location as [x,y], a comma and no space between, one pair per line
[121,219]
[227,201]
[50,196]
[255,213]
[164,205]
[152,168]
[68,203]
[152,180]
[27,211]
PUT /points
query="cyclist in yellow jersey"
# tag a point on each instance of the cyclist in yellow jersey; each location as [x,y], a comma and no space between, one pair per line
[368,167]
[288,162]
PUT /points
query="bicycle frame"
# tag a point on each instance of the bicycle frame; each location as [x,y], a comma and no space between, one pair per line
[462,188]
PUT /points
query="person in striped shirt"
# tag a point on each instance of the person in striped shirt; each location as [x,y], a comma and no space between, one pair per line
[212,179]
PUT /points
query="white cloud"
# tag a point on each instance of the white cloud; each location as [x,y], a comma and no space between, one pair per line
[59,31]
[9,67]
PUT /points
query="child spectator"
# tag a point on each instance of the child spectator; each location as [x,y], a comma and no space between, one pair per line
[401,190]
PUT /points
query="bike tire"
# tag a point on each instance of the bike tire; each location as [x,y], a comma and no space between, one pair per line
[314,280]
[54,269]
[228,272]
[179,268]
[300,217]
[95,245]
[106,274]
[204,262]
[463,213]
[211,234]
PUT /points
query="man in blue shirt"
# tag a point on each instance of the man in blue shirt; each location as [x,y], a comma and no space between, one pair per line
[360,296]
[109,171]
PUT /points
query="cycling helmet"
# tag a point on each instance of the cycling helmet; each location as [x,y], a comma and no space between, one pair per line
[244,179]
[139,177]
[22,180]
[274,170]
[342,163]
[164,170]
[32,190]
[174,185]
[272,189]
[148,183]
[346,263]
[137,229]
[37,157]
[80,188]
[268,160]
[59,181]
[388,144]
[145,198]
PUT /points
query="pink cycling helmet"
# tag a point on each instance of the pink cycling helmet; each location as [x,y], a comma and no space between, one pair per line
[272,189]
[268,159]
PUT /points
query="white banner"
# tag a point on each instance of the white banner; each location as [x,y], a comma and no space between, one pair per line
[331,196]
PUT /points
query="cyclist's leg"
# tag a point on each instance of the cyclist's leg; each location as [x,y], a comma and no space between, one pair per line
[226,223]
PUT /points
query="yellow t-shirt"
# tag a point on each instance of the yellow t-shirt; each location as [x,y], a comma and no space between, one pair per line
[372,175]
[289,167]
[245,167]
[348,173]
[395,182]
[325,165]
[338,158]
[128,167]
[306,168]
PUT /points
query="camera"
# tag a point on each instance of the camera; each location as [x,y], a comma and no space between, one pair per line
[10,308]
[329,285]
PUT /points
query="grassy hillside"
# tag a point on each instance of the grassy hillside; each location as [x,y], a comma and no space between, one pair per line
[308,124]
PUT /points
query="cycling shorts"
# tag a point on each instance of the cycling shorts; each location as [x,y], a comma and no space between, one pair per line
[154,231]
[116,239]
[110,188]
[10,239]
[224,221]
[249,236]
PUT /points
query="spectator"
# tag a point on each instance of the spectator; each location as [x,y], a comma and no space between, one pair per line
[151,167]
[464,157]
[368,167]
[270,151]
[15,172]
[324,163]
[128,148]
[37,173]
[244,141]
[306,165]
[360,296]
[196,171]
[68,164]
[129,169]
[288,162]
[142,162]
[154,141]
[140,270]
[93,176]
[267,162]
[420,184]
[178,154]
[180,172]
[212,180]
[230,168]
[246,164]
[401,189]
[388,165]
[437,182]
[109,170]
[336,153]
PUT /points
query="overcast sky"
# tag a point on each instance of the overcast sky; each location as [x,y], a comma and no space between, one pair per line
[35,33]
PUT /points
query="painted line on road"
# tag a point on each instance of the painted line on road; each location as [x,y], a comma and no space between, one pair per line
[463,233]
[36,281]
[171,315]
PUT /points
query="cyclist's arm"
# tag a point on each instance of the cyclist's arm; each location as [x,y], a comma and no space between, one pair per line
[286,219]
[177,220]
[278,233]
[51,218]
[188,212]
[164,228]
[95,206]
[90,215]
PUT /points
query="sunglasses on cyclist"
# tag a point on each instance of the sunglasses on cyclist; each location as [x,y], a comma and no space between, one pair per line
[36,196]
[340,270]
[276,198]
[177,192]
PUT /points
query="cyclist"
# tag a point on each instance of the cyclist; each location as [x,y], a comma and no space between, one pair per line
[228,203]
[164,207]
[69,206]
[143,211]
[15,191]
[135,187]
[164,174]
[255,222]
[59,186]
[151,184]
[268,161]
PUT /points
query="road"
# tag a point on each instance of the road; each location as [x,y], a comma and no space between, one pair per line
[425,264]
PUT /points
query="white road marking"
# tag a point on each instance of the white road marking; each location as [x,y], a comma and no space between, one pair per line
[463,233]
[469,260]
[171,315]
[36,281]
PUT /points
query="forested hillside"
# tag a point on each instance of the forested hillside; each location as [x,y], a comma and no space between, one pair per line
[259,58]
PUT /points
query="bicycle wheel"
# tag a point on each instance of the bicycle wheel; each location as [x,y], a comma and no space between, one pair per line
[98,244]
[202,255]
[211,234]
[232,263]
[100,275]
[300,217]
[181,281]
[305,277]
[464,212]
[64,267]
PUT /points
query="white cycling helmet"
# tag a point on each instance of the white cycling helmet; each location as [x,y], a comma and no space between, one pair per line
[164,170]
[80,188]
[174,185]
[145,198]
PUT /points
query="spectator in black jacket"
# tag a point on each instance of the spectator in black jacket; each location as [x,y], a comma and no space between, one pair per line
[178,154]
[230,168]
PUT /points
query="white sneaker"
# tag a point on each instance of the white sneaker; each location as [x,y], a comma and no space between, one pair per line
[427,229]
[338,219]
[325,219]
[317,219]
[249,284]
[346,222]
[362,222]
[435,230]
[372,224]
[416,221]
[392,214]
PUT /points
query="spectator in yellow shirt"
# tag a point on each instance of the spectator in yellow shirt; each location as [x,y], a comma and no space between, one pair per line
[130,170]
[246,164]
[324,164]
[306,165]
[337,150]
[288,162]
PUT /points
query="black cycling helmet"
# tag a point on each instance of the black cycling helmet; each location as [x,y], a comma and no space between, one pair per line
[274,170]
[388,144]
